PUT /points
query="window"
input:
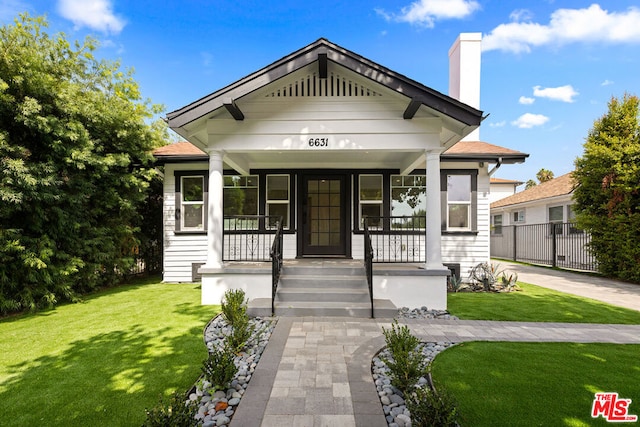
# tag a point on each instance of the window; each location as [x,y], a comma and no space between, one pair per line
[459,200]
[571,219]
[191,199]
[556,218]
[556,214]
[278,199]
[370,201]
[409,199]
[240,198]
[497,224]
[518,216]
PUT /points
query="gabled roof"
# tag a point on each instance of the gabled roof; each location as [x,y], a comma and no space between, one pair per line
[322,51]
[477,150]
[560,186]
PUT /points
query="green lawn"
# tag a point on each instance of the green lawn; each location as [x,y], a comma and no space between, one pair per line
[102,362]
[544,384]
[537,304]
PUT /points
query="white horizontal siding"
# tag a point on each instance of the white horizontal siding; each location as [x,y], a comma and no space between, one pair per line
[180,251]
[470,250]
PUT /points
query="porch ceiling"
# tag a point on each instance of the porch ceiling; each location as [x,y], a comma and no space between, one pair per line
[349,159]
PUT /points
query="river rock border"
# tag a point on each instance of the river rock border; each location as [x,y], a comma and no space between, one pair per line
[217,409]
[392,399]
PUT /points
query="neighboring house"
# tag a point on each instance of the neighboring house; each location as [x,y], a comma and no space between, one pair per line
[546,202]
[325,138]
[501,188]
[536,225]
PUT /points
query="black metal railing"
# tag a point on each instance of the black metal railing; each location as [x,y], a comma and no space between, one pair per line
[560,245]
[397,239]
[276,263]
[249,237]
[368,262]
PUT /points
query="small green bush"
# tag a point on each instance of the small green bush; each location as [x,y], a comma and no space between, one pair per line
[233,305]
[176,412]
[429,408]
[240,334]
[219,368]
[407,364]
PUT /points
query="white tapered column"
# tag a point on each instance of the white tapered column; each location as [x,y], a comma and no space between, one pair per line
[215,210]
[434,216]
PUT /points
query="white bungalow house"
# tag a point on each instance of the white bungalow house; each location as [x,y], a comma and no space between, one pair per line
[547,202]
[300,157]
[537,225]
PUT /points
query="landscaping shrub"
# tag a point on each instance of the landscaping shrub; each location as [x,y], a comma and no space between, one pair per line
[176,412]
[430,408]
[233,305]
[234,310]
[240,334]
[219,368]
[407,364]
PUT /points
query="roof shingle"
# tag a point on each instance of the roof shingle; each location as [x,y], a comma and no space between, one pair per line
[556,187]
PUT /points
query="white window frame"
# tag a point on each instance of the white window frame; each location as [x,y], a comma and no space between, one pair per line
[560,208]
[362,202]
[451,203]
[287,202]
[518,217]
[494,229]
[184,203]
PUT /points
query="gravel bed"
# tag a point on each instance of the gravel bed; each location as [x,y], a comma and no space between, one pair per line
[218,409]
[424,313]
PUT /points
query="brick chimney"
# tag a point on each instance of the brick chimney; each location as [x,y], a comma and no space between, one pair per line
[464,73]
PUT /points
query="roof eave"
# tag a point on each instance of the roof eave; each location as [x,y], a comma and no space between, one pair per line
[509,159]
[185,158]
[309,54]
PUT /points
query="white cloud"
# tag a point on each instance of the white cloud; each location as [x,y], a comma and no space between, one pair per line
[592,24]
[498,124]
[95,14]
[10,9]
[519,15]
[561,93]
[427,12]
[526,100]
[528,120]
[606,83]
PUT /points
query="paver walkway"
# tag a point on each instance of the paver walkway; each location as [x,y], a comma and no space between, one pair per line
[317,371]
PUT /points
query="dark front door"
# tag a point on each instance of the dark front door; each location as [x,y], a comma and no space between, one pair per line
[324,215]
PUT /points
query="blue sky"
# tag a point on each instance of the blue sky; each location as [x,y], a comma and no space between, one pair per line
[549,67]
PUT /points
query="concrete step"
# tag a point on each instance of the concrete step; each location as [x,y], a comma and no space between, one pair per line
[322,281]
[383,308]
[337,294]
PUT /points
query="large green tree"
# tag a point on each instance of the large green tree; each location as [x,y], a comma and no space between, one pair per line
[608,195]
[75,138]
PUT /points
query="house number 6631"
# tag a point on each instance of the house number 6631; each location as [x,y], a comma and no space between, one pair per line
[318,142]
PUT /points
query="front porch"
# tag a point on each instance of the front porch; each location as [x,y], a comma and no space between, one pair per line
[392,273]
